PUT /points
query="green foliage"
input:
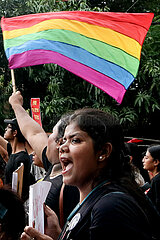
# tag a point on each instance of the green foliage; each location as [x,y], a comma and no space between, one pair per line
[40,6]
[147,98]
[12,8]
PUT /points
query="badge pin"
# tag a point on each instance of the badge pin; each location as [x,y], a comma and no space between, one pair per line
[74,221]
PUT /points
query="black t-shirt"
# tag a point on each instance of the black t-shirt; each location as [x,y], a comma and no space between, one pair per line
[46,164]
[13,163]
[9,149]
[70,193]
[70,197]
[117,214]
[52,199]
[114,215]
[154,191]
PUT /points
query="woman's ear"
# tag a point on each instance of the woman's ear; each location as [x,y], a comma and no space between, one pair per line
[15,133]
[156,162]
[105,153]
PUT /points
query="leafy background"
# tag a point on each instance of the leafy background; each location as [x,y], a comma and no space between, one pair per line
[61,91]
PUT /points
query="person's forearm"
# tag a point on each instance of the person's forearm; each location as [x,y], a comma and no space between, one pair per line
[4,154]
[31,130]
[3,143]
[27,125]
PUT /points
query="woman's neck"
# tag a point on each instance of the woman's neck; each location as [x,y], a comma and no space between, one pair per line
[17,146]
[84,191]
[89,188]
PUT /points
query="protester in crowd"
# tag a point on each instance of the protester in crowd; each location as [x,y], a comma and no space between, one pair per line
[14,143]
[148,174]
[111,204]
[12,215]
[44,147]
[135,159]
[47,152]
[37,168]
[151,163]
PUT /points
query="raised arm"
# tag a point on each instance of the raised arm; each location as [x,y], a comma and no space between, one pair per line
[3,143]
[30,129]
[4,154]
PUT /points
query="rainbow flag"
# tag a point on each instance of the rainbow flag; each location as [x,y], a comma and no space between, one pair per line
[103,48]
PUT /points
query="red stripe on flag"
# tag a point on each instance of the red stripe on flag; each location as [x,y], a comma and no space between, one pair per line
[124,23]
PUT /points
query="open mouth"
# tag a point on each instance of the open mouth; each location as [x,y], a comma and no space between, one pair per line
[66,165]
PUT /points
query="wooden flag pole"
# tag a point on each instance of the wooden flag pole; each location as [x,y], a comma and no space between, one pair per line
[13,81]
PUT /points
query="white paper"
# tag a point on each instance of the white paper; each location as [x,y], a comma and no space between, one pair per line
[37,196]
[14,181]
[17,180]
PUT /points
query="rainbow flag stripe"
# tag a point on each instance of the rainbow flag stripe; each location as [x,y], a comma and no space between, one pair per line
[103,48]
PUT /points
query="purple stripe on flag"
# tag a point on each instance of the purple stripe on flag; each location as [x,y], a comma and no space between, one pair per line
[107,84]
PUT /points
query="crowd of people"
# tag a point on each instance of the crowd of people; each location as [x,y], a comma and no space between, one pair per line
[102,187]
